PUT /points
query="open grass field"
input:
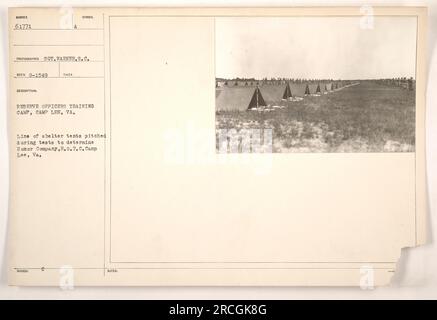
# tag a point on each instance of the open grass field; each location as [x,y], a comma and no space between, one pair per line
[368,117]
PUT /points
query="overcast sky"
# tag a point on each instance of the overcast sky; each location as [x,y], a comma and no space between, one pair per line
[312,47]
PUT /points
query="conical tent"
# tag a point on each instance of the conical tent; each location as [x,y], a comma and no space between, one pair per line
[318,88]
[326,88]
[287,93]
[257,100]
[410,84]
[307,90]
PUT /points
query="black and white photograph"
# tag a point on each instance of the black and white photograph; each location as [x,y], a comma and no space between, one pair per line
[223,152]
[315,84]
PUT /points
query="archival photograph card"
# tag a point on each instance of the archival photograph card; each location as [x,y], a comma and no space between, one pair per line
[215,146]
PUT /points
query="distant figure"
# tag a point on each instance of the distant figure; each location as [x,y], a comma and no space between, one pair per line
[307,90]
[410,84]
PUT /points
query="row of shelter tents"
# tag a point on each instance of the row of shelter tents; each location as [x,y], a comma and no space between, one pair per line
[255,97]
[403,82]
[253,82]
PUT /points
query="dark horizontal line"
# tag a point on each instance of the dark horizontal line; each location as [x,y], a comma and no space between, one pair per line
[213,268]
[58,45]
[57,61]
[53,268]
[257,262]
[57,29]
[200,15]
[314,152]
[58,77]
